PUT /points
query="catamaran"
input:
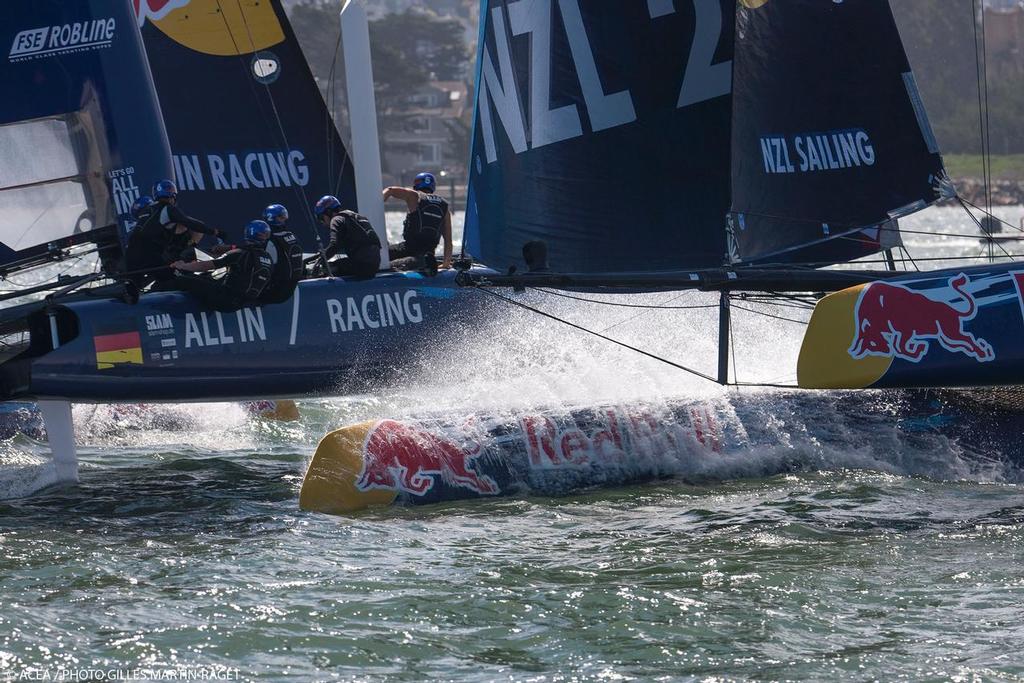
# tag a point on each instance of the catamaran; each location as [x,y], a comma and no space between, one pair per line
[650,145]
[732,147]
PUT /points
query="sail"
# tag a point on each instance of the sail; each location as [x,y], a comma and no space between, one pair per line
[246,121]
[830,139]
[603,129]
[80,128]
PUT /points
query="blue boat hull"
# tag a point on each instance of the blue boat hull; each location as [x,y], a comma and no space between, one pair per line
[332,337]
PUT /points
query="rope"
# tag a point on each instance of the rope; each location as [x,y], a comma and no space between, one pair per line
[656,357]
[621,305]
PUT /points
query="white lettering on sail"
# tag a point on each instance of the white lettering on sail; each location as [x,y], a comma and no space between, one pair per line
[228,171]
[503,94]
[704,80]
[605,111]
[828,151]
[546,125]
[659,8]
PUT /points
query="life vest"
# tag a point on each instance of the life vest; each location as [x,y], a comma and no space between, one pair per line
[248,276]
[424,226]
[289,267]
[360,230]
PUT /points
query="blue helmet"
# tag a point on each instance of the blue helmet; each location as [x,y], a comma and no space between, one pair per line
[275,215]
[143,202]
[257,231]
[327,204]
[424,182]
[165,189]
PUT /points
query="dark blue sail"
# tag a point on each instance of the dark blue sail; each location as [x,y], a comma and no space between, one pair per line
[246,121]
[80,127]
[830,139]
[603,129]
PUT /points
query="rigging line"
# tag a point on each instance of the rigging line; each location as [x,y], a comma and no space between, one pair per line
[978,54]
[300,191]
[764,385]
[991,242]
[988,125]
[656,357]
[732,347]
[772,315]
[620,305]
[331,91]
[990,215]
[633,317]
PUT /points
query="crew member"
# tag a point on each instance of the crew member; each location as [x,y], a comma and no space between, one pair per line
[428,220]
[352,234]
[285,252]
[249,270]
[161,237]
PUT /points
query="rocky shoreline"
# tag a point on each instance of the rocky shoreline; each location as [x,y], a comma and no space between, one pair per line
[1004,192]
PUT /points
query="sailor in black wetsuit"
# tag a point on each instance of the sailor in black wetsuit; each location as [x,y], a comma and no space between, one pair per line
[161,235]
[286,253]
[249,270]
[426,223]
[352,234]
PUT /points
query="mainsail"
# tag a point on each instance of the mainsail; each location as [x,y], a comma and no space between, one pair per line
[246,121]
[630,137]
[603,129]
[80,127]
[830,139]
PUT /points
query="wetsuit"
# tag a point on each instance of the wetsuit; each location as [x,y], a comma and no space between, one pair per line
[352,234]
[155,244]
[421,232]
[286,254]
[249,270]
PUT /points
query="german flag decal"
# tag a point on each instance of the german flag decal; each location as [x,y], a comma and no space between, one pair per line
[116,349]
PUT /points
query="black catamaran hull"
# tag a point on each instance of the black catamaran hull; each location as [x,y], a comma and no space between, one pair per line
[332,336]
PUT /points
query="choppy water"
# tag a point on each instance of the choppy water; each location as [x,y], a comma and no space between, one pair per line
[847,548]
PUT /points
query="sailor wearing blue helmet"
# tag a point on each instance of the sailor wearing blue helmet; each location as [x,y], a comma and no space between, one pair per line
[161,238]
[286,253]
[352,234]
[249,272]
[427,221]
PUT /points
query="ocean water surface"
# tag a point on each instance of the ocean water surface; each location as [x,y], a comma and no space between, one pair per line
[835,546]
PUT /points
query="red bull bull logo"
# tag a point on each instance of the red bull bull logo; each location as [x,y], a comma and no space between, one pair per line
[895,321]
[404,458]
[155,10]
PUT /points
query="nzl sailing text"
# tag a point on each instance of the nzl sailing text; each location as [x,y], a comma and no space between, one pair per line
[828,151]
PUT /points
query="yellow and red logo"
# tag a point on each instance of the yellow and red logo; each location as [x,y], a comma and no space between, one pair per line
[212,27]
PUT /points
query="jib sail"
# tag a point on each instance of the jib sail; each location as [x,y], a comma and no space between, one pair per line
[246,121]
[603,129]
[830,139]
[80,127]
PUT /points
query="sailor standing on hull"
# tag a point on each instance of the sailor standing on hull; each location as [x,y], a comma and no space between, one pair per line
[162,233]
[286,254]
[352,234]
[249,270]
[429,219]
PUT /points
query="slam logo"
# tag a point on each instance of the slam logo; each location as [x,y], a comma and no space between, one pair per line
[47,41]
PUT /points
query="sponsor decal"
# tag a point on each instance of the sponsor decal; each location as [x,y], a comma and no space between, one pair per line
[48,41]
[125,191]
[374,311]
[404,458]
[550,445]
[258,169]
[813,152]
[155,10]
[895,321]
[118,349]
[245,326]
